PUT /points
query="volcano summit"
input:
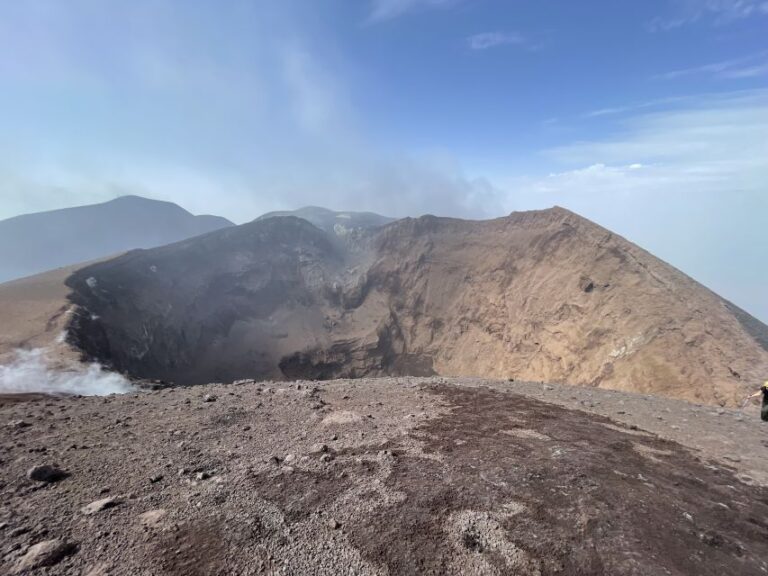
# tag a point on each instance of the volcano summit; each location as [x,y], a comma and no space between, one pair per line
[543,296]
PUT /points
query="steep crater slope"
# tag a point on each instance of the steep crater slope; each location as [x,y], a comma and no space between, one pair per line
[211,308]
[543,295]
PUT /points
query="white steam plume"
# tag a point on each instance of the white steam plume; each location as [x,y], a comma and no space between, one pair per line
[29,372]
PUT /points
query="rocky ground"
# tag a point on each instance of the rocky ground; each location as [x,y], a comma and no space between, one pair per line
[388,476]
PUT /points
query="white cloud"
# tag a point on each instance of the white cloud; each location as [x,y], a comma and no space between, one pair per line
[620,179]
[747,71]
[717,12]
[636,106]
[728,132]
[749,66]
[382,10]
[486,40]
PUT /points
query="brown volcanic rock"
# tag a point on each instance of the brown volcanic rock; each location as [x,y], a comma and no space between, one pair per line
[545,296]
[550,296]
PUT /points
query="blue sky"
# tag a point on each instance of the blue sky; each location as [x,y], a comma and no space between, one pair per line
[649,117]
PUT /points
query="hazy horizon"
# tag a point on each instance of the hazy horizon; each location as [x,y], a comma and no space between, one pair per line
[763,316]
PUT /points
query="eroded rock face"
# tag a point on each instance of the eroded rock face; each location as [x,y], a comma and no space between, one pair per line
[545,296]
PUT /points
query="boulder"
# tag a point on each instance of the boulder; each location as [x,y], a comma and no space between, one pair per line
[99,505]
[46,473]
[46,553]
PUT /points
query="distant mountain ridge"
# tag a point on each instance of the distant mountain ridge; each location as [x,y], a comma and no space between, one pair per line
[33,243]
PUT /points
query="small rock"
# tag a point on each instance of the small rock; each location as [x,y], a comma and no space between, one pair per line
[319,448]
[156,478]
[326,458]
[711,538]
[209,398]
[46,553]
[202,476]
[99,505]
[18,424]
[153,518]
[289,458]
[334,524]
[46,473]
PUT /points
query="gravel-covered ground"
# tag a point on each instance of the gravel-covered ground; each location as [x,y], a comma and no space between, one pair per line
[386,476]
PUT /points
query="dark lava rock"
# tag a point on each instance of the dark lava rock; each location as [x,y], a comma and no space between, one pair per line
[46,473]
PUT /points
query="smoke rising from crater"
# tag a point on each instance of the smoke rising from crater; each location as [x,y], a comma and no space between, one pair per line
[30,373]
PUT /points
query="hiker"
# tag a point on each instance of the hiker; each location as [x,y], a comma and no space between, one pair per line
[764,391]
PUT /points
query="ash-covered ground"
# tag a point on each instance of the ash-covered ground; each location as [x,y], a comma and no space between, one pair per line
[381,476]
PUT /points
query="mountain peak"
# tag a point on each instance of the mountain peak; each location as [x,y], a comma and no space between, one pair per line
[41,241]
